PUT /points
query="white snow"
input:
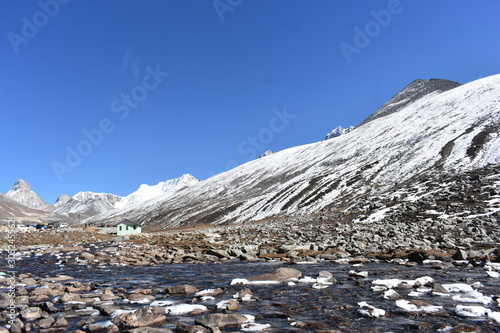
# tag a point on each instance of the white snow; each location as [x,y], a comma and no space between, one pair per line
[223,304]
[141,301]
[458,288]
[148,192]
[473,297]
[383,284]
[367,310]
[205,292]
[388,294]
[359,274]
[495,316]
[410,307]
[182,309]
[105,323]
[492,269]
[307,279]
[471,310]
[93,312]
[493,274]
[251,326]
[245,281]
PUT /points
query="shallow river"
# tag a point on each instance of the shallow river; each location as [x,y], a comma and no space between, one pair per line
[280,305]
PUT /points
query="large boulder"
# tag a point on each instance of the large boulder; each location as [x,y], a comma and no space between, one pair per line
[185,328]
[282,274]
[181,289]
[139,318]
[149,330]
[31,313]
[221,320]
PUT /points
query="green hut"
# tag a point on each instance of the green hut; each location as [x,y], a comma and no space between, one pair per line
[127,227]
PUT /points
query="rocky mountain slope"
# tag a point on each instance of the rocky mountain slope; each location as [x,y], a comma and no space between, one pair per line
[427,132]
[22,193]
[411,93]
[22,204]
[13,210]
[85,204]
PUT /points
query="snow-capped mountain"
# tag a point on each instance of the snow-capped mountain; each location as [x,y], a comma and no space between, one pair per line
[431,129]
[85,203]
[88,204]
[11,210]
[338,132]
[149,192]
[22,193]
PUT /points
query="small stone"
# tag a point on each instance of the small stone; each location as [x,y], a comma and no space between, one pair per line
[46,323]
[60,322]
[218,253]
[460,255]
[87,256]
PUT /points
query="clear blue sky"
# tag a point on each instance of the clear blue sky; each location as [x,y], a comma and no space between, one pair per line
[164,88]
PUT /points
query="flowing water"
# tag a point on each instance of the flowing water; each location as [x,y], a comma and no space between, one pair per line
[279,305]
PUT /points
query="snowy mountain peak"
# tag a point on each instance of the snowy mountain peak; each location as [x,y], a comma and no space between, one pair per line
[62,199]
[410,94]
[338,132]
[21,192]
[84,196]
[85,203]
[21,185]
[149,192]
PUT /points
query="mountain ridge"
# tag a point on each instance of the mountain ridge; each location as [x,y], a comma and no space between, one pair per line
[336,174]
[412,92]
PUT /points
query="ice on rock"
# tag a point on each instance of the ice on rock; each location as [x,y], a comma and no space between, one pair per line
[251,326]
[495,316]
[418,307]
[458,288]
[471,310]
[182,309]
[366,310]
[473,297]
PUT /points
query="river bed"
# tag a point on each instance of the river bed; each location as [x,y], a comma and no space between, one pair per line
[304,305]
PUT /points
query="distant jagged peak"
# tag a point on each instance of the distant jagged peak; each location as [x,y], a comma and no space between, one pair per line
[266,153]
[21,185]
[62,199]
[414,91]
[338,132]
[22,193]
[148,192]
[86,195]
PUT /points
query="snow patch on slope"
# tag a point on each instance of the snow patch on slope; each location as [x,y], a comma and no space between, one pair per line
[148,192]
